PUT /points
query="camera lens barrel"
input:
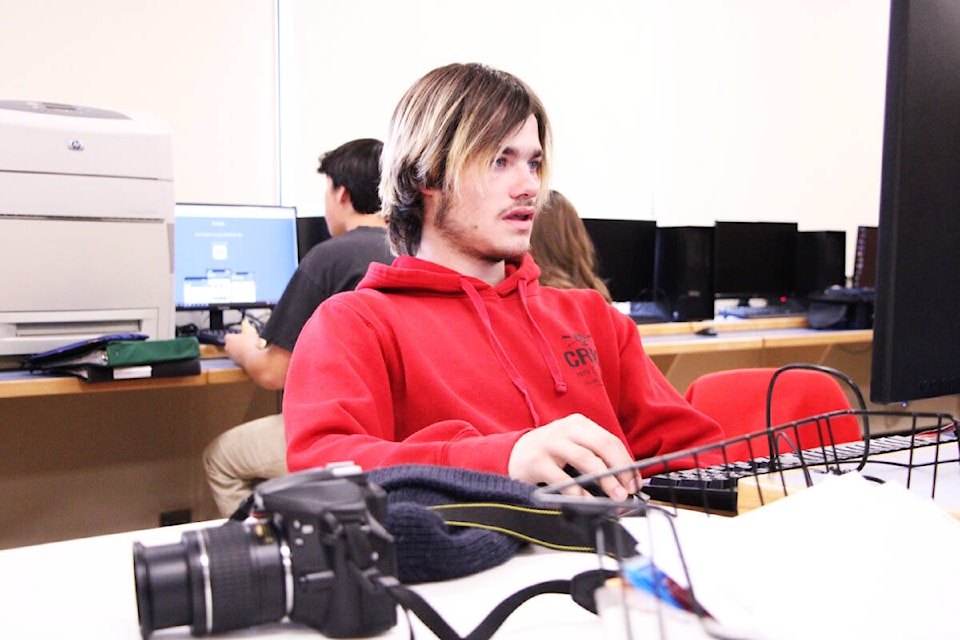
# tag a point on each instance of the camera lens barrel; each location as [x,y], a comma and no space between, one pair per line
[163,595]
[216,579]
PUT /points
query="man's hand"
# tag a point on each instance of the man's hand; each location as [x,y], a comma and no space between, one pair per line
[239,346]
[540,455]
[265,364]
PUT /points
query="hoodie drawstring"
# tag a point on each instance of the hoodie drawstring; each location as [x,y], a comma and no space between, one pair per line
[559,385]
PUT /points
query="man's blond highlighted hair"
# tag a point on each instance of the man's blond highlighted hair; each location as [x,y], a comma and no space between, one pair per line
[453,117]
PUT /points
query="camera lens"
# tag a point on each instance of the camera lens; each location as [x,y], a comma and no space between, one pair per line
[228,577]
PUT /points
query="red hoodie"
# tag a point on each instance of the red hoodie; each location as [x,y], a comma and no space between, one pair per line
[422,364]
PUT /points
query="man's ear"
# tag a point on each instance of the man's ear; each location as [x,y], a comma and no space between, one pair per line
[342,195]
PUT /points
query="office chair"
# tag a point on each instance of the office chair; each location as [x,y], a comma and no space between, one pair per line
[744,402]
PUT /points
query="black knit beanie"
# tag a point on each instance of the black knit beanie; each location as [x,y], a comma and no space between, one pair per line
[426,548]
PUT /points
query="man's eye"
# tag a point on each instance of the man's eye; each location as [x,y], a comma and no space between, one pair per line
[535,165]
[500,163]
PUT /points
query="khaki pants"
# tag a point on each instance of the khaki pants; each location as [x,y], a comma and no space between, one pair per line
[239,459]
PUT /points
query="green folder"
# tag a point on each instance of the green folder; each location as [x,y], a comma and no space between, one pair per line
[126,353]
[109,352]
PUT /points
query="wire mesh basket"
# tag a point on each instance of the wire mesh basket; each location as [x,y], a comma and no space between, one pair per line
[719,480]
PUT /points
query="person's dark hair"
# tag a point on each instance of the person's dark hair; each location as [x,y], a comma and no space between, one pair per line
[355,166]
[454,117]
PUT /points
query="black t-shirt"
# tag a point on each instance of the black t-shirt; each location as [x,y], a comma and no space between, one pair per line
[334,265]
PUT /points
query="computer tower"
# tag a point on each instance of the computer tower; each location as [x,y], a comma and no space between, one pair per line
[683,272]
[821,261]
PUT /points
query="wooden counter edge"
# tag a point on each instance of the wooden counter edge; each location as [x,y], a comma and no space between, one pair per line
[41,385]
[706,345]
[66,385]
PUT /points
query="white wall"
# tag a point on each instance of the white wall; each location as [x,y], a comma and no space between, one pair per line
[205,67]
[770,110]
[683,111]
[590,62]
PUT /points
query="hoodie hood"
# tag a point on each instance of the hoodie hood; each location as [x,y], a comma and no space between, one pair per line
[411,274]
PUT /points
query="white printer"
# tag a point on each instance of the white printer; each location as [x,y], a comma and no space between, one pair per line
[86,225]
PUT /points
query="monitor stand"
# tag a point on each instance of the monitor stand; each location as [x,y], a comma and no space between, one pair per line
[216,320]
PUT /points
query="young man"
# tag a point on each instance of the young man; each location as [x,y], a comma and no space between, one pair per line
[454,355]
[239,458]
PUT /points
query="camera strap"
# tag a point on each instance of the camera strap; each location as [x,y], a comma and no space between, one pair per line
[549,528]
[425,508]
[581,588]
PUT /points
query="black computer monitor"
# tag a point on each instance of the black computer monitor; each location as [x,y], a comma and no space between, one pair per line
[821,261]
[754,260]
[311,231]
[232,256]
[916,335]
[683,272]
[625,253]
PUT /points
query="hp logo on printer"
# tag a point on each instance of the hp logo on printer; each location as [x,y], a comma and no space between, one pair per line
[75,145]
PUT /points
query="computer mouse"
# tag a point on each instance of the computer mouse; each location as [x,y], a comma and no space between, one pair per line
[707,331]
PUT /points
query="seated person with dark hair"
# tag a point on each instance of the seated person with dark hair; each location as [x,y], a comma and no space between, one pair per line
[243,456]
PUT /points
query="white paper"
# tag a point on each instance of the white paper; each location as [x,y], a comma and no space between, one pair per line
[847,558]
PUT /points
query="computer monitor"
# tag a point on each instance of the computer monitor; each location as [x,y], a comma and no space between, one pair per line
[821,261]
[232,256]
[625,253]
[754,260]
[865,259]
[916,335]
[311,231]
[683,272]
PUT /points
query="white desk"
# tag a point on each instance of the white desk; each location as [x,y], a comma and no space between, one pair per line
[891,559]
[85,589]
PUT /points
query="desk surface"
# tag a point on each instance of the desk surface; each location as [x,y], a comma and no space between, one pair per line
[14,384]
[836,559]
[85,589]
[670,338]
[722,324]
[741,340]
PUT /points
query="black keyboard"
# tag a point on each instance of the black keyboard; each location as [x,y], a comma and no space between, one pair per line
[847,294]
[769,311]
[214,336]
[649,312]
[715,488]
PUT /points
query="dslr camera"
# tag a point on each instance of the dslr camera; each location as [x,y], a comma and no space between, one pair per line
[312,549]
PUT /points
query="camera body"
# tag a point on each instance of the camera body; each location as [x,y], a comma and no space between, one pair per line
[313,549]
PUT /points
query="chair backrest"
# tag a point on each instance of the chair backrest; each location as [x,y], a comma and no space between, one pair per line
[737,399]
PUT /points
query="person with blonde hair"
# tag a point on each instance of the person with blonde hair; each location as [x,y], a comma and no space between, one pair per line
[455,355]
[562,248]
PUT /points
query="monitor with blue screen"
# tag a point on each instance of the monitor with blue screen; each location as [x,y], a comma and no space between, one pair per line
[232,256]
